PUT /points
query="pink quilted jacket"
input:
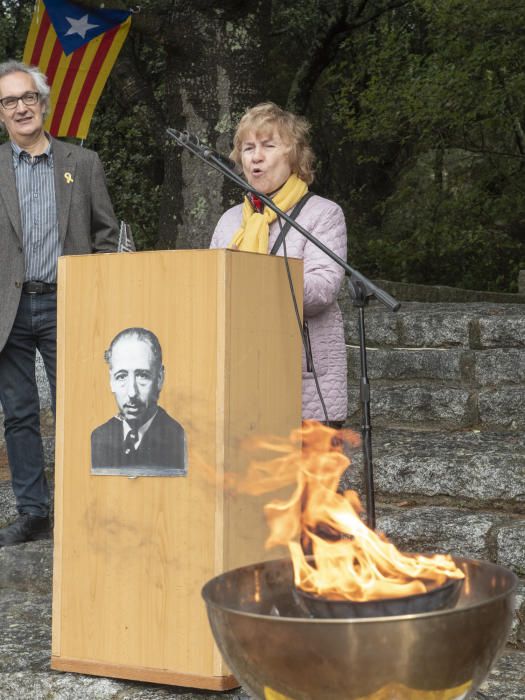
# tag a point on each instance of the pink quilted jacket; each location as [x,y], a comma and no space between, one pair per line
[322,280]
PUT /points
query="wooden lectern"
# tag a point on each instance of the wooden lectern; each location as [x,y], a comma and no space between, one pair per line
[132,553]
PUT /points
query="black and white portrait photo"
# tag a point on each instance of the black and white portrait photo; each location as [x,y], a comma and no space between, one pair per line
[141,439]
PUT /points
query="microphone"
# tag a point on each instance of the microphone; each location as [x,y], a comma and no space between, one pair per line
[208,153]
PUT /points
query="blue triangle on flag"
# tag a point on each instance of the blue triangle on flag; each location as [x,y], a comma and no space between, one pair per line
[76,26]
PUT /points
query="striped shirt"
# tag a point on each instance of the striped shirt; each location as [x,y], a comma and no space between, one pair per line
[35,183]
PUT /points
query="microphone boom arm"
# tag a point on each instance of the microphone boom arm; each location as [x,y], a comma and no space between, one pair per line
[361,291]
[206,154]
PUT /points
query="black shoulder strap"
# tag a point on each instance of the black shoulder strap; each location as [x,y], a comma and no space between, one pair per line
[295,213]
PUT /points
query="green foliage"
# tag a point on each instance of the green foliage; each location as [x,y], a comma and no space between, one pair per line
[15,17]
[133,167]
[419,123]
[129,148]
[433,96]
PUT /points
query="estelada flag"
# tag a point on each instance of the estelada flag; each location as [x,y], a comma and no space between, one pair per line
[76,49]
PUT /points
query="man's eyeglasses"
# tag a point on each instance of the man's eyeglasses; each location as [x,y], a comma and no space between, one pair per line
[28,98]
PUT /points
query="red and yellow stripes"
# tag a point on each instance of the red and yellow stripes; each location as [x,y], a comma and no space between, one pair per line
[76,80]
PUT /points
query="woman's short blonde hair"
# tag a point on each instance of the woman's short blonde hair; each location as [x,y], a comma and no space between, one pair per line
[293,130]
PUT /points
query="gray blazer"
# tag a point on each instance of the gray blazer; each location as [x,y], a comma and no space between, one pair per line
[86,222]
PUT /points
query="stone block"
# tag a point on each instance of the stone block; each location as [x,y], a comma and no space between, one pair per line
[414,325]
[499,366]
[476,325]
[502,407]
[505,329]
[510,540]
[435,326]
[381,327]
[482,467]
[432,529]
[408,363]
[410,405]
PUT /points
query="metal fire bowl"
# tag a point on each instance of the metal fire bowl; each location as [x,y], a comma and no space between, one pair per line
[278,653]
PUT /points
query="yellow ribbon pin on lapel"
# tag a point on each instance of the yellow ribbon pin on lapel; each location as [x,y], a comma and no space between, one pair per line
[69,178]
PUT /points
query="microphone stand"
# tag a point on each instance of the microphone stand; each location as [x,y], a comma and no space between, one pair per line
[360,287]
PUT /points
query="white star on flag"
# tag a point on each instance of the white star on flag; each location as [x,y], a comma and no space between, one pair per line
[79,26]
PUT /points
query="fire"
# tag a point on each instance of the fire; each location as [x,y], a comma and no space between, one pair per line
[334,554]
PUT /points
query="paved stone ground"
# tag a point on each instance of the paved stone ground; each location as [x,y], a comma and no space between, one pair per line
[25,646]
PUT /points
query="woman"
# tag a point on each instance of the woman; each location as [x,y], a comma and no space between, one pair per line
[272,147]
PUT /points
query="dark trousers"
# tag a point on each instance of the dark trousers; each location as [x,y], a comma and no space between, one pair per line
[34,328]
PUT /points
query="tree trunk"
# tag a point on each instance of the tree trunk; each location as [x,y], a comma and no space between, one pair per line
[213,77]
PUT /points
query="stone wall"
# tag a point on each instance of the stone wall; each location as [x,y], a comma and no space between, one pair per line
[448,412]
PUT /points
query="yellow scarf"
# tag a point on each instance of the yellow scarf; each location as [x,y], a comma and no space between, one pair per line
[254,232]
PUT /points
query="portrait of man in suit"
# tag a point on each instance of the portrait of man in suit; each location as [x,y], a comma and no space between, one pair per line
[142,439]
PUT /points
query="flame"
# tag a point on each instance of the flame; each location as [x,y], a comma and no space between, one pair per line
[334,554]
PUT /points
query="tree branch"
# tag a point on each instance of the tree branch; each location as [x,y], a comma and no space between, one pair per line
[325,44]
[156,26]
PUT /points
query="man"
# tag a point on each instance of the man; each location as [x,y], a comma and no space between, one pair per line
[53,201]
[142,436]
